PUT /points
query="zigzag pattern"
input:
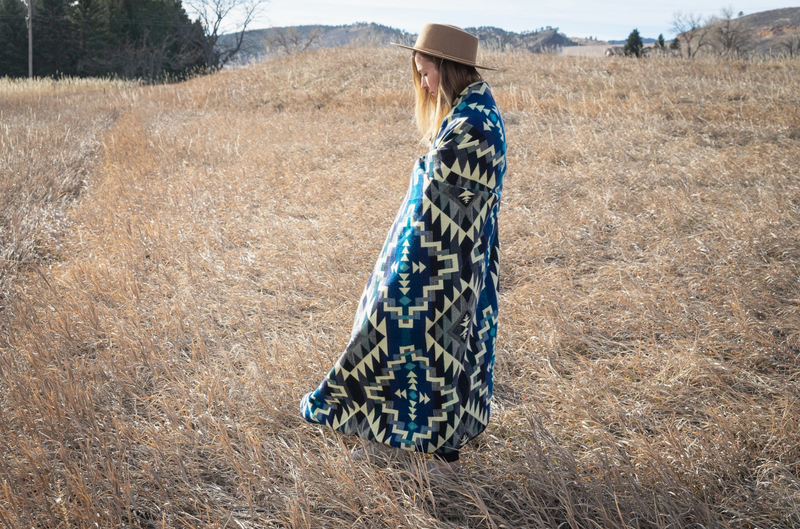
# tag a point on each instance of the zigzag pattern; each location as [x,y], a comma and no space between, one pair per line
[417,372]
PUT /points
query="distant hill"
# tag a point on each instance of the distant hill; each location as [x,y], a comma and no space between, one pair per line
[580,41]
[623,41]
[771,28]
[785,18]
[767,31]
[543,40]
[261,44]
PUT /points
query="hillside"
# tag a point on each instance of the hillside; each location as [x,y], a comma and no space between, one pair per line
[771,29]
[776,20]
[261,44]
[182,262]
[541,41]
[766,33]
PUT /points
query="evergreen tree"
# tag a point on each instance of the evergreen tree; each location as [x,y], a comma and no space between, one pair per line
[90,20]
[660,43]
[634,45]
[54,46]
[147,39]
[153,38]
[13,39]
[675,44]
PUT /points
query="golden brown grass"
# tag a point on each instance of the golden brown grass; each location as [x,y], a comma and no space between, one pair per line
[48,87]
[50,133]
[207,276]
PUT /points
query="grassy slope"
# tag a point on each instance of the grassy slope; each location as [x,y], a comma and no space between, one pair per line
[50,133]
[788,17]
[768,31]
[647,370]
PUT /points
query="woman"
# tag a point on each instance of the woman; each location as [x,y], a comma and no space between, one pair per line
[417,373]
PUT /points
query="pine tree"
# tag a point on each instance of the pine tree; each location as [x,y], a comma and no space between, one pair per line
[675,44]
[660,42]
[90,19]
[54,46]
[153,38]
[634,45]
[148,39]
[13,39]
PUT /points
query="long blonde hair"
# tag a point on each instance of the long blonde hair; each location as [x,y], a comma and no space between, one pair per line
[431,110]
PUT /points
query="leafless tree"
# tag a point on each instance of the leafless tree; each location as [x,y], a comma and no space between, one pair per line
[691,30]
[214,15]
[731,35]
[791,46]
[141,58]
[150,59]
[290,40]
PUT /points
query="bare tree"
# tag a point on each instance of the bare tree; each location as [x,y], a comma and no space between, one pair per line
[791,46]
[141,58]
[691,30]
[151,59]
[731,35]
[290,40]
[214,15]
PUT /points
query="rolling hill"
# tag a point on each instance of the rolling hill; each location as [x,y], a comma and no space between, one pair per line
[261,44]
[771,29]
[768,32]
[761,34]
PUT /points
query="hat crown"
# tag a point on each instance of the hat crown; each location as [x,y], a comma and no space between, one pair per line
[449,41]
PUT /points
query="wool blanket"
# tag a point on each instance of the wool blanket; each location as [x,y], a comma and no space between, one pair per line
[417,372]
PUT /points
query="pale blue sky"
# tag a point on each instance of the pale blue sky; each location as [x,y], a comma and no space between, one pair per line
[576,18]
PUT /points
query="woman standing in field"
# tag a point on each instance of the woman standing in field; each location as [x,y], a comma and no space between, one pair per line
[417,372]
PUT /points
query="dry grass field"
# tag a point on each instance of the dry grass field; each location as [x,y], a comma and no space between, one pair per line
[182,262]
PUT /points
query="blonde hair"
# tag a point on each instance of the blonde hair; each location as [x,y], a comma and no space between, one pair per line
[431,110]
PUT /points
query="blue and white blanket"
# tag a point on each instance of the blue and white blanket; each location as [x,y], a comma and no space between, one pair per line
[417,372]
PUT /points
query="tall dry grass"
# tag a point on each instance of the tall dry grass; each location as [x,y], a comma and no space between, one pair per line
[647,371]
[50,133]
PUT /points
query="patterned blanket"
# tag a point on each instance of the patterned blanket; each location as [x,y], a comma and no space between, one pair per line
[417,372]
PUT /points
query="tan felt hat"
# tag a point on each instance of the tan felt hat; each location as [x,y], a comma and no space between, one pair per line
[447,42]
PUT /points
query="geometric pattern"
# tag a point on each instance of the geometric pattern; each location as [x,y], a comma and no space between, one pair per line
[417,371]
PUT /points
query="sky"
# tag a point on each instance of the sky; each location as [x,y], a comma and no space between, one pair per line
[575,18]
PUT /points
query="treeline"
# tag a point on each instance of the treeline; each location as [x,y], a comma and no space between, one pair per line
[148,39]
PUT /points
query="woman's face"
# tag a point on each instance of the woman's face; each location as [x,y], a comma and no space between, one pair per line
[427,70]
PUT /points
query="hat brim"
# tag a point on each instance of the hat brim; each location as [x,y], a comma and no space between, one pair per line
[443,56]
